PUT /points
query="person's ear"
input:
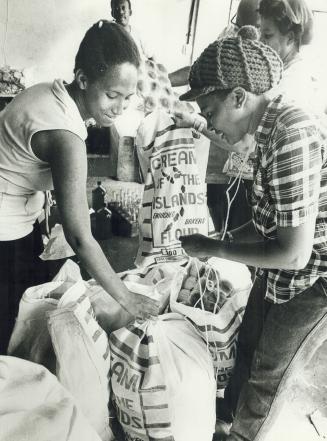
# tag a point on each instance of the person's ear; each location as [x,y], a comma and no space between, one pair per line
[290,38]
[238,97]
[81,79]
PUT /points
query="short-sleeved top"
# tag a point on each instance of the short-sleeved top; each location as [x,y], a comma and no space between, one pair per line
[290,186]
[23,176]
[301,86]
[45,106]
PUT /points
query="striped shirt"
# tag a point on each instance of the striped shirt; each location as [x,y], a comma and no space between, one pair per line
[290,185]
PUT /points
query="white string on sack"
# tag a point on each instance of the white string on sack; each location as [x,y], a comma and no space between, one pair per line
[230,201]
[202,293]
[194,261]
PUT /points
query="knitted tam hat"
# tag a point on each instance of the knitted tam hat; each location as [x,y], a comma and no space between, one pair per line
[240,61]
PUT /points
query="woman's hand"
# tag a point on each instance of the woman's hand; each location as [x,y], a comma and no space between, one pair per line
[195,245]
[186,119]
[139,306]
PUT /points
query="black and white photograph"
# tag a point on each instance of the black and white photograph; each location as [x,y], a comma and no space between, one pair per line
[163,220]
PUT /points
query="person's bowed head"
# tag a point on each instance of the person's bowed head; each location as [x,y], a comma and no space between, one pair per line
[105,79]
[106,72]
[229,81]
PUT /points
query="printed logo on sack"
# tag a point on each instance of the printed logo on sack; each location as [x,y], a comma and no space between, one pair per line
[177,198]
[174,198]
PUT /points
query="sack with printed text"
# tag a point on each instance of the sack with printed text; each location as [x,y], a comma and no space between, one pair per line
[213,297]
[162,380]
[174,198]
[56,327]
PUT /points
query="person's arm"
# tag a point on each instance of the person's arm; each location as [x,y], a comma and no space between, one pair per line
[291,250]
[246,233]
[180,76]
[66,154]
[294,187]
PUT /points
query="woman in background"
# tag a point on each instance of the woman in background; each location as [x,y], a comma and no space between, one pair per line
[287,26]
[42,134]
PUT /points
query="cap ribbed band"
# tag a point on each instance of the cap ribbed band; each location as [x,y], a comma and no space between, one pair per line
[233,62]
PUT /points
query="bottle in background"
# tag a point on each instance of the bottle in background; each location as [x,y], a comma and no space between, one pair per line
[98,196]
[103,223]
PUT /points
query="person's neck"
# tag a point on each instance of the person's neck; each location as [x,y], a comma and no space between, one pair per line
[127,27]
[77,96]
[260,103]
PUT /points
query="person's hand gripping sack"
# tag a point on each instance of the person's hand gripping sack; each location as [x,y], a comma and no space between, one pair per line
[140,307]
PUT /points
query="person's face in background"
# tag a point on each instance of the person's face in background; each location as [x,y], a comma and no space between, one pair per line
[121,12]
[284,45]
[247,14]
[108,96]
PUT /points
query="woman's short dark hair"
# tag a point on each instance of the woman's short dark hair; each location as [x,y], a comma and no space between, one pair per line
[290,15]
[113,2]
[104,46]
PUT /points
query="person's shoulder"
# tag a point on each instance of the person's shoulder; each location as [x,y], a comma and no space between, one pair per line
[34,95]
[294,125]
[290,114]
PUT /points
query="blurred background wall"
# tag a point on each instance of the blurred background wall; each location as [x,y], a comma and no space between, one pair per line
[42,36]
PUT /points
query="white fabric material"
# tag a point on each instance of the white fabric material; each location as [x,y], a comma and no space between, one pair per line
[174,197]
[18,212]
[162,381]
[300,86]
[57,246]
[83,356]
[35,407]
[41,107]
[55,327]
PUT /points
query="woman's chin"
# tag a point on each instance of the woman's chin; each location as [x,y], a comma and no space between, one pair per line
[105,122]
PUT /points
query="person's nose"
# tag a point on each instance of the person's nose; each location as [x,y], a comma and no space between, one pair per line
[119,107]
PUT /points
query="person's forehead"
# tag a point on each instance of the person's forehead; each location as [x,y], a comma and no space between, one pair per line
[117,3]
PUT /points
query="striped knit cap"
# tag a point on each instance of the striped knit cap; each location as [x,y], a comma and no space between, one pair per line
[235,61]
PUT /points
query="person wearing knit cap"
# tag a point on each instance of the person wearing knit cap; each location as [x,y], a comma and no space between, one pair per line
[235,62]
[286,241]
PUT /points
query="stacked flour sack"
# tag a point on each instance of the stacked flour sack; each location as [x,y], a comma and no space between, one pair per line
[156,379]
[212,298]
[165,373]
